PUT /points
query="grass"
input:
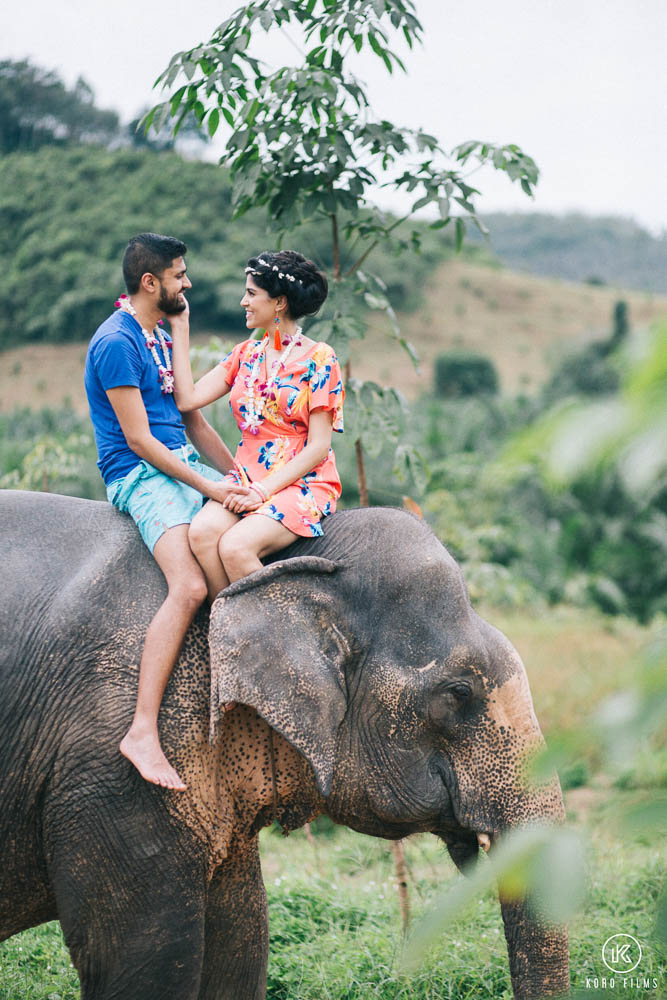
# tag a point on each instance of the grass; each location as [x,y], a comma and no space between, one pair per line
[335,923]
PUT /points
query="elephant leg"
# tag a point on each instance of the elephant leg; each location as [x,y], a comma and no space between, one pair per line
[237,930]
[131,900]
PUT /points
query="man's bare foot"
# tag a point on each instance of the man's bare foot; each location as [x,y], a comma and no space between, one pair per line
[145,752]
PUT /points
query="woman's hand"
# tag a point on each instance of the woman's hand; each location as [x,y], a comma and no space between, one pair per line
[181,320]
[243,503]
[221,492]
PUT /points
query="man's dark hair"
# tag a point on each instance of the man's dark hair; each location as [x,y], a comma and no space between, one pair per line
[149,253]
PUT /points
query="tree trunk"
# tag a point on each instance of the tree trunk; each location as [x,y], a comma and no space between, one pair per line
[362,485]
[361,474]
[398,850]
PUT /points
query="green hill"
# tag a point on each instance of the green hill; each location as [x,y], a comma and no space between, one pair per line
[67,215]
[608,250]
[522,322]
[68,212]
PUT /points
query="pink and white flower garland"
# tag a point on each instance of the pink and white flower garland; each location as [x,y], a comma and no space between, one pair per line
[165,371]
[256,393]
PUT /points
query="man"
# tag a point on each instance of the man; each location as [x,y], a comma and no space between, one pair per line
[149,469]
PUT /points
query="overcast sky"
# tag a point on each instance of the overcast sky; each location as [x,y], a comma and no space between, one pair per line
[581,85]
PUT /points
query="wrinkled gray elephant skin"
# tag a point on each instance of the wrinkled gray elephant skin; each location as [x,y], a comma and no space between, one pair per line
[367,688]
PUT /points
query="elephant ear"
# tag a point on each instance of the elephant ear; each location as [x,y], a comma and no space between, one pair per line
[276,646]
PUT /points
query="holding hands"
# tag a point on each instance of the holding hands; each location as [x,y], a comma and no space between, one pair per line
[235,498]
[242,501]
[222,492]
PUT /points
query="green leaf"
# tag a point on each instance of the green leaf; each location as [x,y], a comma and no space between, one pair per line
[213,122]
[189,68]
[374,301]
[252,112]
[422,202]
[410,350]
[409,460]
[375,45]
[529,858]
[147,120]
[176,99]
[463,151]
[460,233]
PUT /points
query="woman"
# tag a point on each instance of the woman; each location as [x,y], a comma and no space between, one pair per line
[287,397]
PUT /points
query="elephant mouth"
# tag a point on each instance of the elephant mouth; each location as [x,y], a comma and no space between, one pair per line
[464,846]
[463,842]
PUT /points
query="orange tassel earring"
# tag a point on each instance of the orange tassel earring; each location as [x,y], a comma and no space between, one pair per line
[276,335]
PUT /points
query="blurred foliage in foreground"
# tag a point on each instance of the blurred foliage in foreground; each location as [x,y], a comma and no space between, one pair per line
[624,437]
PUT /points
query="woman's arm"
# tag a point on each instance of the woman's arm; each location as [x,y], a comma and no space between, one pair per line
[316,450]
[210,387]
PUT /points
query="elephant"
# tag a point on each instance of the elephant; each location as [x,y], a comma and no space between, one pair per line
[365,688]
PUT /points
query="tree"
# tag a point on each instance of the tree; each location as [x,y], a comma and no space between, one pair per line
[37,109]
[303,142]
[164,141]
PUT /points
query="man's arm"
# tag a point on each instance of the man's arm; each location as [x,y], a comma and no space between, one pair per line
[131,413]
[207,441]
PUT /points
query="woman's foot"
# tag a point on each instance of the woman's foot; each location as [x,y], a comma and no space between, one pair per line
[144,751]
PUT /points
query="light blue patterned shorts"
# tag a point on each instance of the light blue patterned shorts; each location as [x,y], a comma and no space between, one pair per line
[156,502]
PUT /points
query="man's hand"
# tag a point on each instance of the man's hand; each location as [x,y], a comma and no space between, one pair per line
[223,491]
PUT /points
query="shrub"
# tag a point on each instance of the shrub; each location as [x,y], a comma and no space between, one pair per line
[464,373]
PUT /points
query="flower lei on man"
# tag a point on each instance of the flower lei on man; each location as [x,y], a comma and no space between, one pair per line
[164,367]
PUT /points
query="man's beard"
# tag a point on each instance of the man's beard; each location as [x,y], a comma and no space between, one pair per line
[170,305]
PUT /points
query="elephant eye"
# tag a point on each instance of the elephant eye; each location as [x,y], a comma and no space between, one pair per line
[447,700]
[461,689]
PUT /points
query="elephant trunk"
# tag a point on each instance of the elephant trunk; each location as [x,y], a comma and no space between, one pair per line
[496,797]
[538,954]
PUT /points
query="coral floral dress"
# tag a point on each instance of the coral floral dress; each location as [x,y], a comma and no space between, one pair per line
[310,382]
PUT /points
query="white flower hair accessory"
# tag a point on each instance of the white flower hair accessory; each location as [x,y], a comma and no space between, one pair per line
[273,267]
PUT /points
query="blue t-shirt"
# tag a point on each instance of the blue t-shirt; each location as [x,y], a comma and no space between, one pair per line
[117,355]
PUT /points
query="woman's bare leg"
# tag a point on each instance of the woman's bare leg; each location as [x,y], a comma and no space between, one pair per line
[243,546]
[206,530]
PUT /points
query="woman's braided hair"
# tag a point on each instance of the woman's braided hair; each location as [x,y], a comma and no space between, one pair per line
[288,273]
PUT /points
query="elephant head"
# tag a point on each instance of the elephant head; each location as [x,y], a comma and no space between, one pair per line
[414,713]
